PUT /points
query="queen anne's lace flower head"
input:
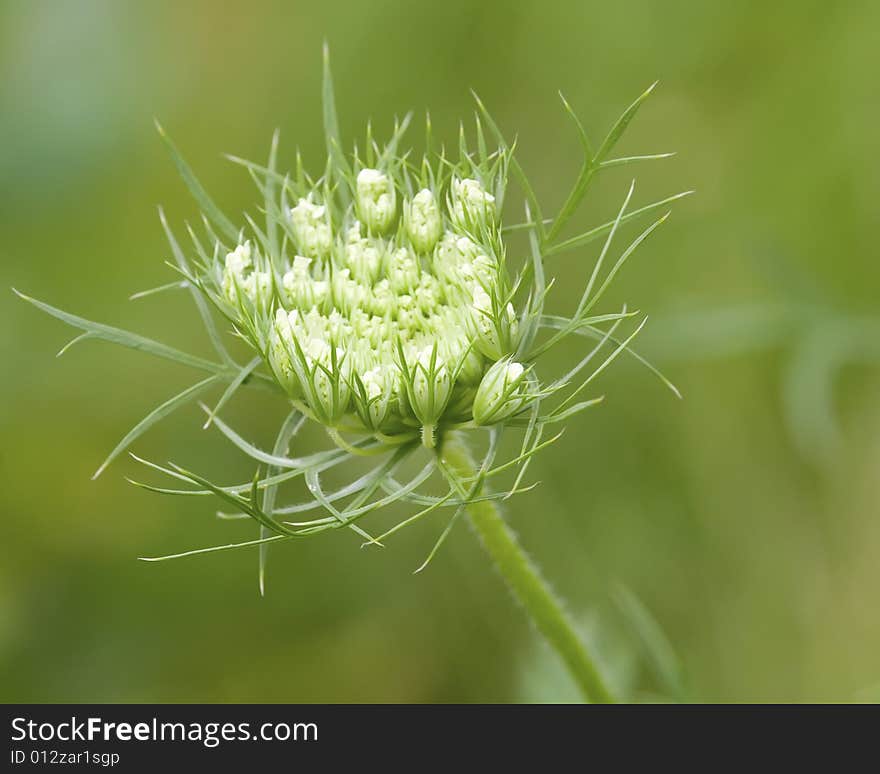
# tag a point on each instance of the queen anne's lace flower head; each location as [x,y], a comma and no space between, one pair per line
[380,320]
[394,300]
[388,307]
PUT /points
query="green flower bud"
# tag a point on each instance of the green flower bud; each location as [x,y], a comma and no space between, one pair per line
[429,386]
[493,329]
[364,258]
[303,292]
[328,382]
[382,302]
[472,205]
[377,200]
[296,283]
[237,264]
[342,290]
[373,402]
[280,347]
[243,283]
[314,237]
[257,287]
[403,270]
[424,224]
[501,393]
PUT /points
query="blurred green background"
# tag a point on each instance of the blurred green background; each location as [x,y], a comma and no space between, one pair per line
[744,517]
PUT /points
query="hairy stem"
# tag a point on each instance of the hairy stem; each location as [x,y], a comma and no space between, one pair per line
[525,581]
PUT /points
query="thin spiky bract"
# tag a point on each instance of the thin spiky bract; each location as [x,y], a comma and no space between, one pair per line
[381,301]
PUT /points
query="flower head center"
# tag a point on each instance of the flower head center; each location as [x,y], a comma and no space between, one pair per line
[388,316]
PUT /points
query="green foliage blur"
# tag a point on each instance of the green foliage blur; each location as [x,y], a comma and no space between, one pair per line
[745,517]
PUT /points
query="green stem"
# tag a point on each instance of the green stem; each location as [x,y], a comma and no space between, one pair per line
[525,581]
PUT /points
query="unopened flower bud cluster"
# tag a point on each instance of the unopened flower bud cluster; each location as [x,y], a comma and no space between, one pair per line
[398,317]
